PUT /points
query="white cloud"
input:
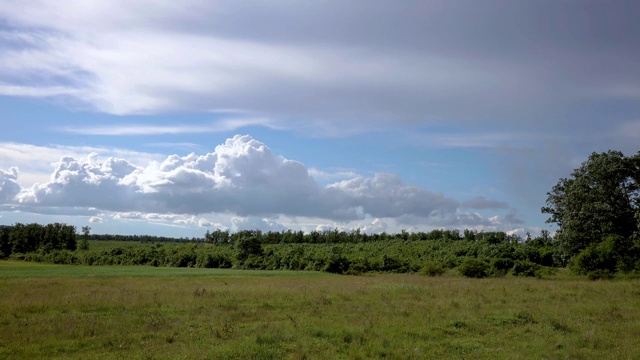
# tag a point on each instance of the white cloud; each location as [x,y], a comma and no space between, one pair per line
[256,223]
[9,186]
[333,175]
[241,177]
[461,62]
[223,125]
[35,161]
[528,79]
[385,195]
[375,226]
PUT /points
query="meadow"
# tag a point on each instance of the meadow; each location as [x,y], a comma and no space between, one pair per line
[141,312]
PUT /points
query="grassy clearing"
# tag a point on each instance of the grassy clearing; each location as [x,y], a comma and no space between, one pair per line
[166,315]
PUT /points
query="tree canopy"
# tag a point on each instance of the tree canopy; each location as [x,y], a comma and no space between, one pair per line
[600,199]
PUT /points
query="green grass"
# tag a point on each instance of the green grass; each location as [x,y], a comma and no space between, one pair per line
[69,312]
[23,269]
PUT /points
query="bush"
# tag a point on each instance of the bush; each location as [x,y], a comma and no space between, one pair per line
[604,255]
[432,268]
[474,268]
[525,268]
[208,260]
[359,265]
[337,264]
[500,266]
[392,264]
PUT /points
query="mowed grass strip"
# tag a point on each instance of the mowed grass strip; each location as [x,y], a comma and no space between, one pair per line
[249,315]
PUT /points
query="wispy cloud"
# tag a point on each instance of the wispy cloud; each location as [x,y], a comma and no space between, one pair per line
[224,125]
[457,62]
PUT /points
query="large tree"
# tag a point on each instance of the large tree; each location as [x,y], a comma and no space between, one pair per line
[600,198]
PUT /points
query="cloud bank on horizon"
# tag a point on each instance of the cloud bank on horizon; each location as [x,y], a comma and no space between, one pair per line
[243,178]
[524,90]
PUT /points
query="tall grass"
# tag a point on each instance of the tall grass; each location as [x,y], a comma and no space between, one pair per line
[396,316]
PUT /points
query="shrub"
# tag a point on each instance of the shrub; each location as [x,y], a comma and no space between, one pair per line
[337,264]
[525,268]
[392,264]
[473,268]
[208,260]
[432,268]
[359,266]
[600,256]
[500,266]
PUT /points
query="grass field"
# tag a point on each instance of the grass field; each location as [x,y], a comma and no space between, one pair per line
[67,312]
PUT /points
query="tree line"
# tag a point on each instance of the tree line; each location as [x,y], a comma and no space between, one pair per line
[25,238]
[597,210]
[336,236]
[352,252]
[493,256]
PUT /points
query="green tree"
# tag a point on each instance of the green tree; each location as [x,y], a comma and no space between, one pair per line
[84,244]
[247,247]
[600,198]
[5,245]
[69,236]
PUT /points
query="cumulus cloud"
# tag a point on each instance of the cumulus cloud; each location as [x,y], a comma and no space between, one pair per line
[557,77]
[256,223]
[241,177]
[83,183]
[9,186]
[385,195]
[35,161]
[375,226]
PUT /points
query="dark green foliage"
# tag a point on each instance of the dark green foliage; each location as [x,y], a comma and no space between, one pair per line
[474,268]
[500,266]
[5,244]
[217,237]
[432,268]
[337,264]
[601,198]
[613,254]
[145,238]
[21,238]
[84,243]
[392,264]
[525,268]
[213,260]
[247,247]
[332,251]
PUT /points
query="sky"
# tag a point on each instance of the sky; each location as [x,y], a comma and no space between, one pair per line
[173,118]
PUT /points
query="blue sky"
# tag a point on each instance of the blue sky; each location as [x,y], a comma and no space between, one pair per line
[174,118]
